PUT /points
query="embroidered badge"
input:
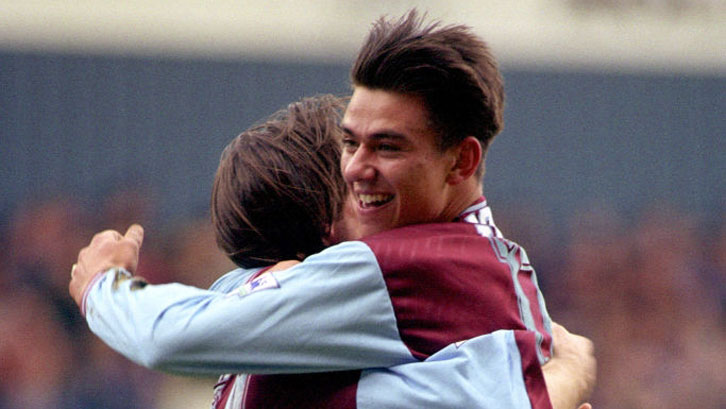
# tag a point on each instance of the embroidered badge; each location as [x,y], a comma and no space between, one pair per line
[119,276]
[263,282]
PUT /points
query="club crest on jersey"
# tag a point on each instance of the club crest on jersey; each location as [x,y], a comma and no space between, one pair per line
[263,282]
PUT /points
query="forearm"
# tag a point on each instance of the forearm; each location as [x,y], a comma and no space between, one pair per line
[149,325]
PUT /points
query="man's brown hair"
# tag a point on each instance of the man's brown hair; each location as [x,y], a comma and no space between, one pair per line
[278,187]
[451,68]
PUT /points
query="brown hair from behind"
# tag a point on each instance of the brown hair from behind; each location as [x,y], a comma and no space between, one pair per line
[278,187]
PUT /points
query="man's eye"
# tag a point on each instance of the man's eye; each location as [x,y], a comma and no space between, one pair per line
[349,143]
[387,147]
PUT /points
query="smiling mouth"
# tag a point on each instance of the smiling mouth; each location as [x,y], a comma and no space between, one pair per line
[376,200]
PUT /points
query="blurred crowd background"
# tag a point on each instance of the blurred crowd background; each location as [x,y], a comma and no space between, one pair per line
[611,172]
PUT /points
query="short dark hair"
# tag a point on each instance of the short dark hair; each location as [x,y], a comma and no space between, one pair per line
[451,68]
[278,187]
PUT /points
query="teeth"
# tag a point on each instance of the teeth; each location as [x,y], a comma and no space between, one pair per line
[377,198]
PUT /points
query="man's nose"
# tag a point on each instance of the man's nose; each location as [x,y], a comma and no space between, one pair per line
[359,166]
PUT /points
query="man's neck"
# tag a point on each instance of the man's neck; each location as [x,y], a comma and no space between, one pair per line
[462,198]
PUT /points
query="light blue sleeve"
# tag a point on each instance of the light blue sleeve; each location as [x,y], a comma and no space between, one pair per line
[483,372]
[232,280]
[331,312]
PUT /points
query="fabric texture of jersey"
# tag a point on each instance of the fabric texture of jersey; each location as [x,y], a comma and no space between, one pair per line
[447,282]
[400,300]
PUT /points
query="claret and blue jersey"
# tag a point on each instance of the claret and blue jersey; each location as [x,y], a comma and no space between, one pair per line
[435,315]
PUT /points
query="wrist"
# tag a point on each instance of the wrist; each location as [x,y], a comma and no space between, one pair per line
[94,280]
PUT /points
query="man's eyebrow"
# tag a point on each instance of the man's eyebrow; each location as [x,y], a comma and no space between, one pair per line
[397,136]
[347,130]
[384,134]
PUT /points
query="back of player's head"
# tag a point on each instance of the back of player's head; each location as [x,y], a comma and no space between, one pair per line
[278,187]
[450,67]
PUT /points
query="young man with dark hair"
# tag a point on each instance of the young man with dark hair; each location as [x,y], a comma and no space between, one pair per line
[448,84]
[396,296]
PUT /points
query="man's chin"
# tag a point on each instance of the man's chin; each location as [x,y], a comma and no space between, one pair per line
[366,230]
[376,219]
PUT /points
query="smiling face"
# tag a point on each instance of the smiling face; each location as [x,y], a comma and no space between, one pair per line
[392,164]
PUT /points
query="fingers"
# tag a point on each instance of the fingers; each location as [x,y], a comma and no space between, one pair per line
[106,235]
[558,332]
[571,344]
[561,336]
[111,249]
[135,233]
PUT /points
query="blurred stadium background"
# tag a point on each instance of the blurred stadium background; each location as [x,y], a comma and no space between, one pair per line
[611,169]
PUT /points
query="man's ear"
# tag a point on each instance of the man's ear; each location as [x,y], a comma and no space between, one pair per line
[468,156]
